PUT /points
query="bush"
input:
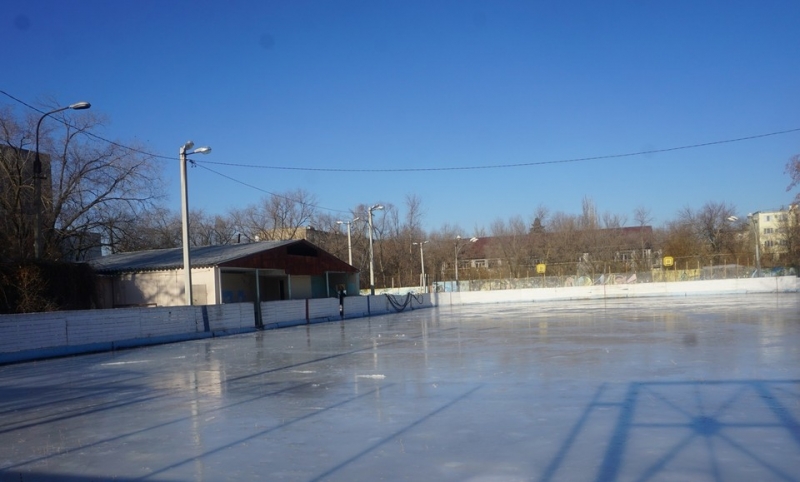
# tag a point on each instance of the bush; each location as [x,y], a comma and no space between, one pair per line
[36,286]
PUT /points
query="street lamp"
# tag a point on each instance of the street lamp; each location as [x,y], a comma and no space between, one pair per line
[37,179]
[752,218]
[458,248]
[376,207]
[349,244]
[187,267]
[422,262]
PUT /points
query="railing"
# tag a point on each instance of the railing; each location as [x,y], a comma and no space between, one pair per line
[592,274]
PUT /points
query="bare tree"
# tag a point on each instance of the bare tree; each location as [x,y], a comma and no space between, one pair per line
[209,230]
[789,235]
[512,246]
[707,232]
[642,216]
[440,252]
[276,217]
[156,228]
[589,219]
[793,170]
[330,234]
[87,182]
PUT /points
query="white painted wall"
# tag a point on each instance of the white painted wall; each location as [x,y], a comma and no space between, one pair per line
[41,335]
[781,284]
[276,314]
[301,287]
[156,288]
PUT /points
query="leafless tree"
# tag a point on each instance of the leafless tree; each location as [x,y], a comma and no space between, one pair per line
[156,228]
[278,216]
[87,182]
[512,246]
[793,171]
[209,230]
[702,234]
[642,216]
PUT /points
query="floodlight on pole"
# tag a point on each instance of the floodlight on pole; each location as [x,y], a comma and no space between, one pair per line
[376,207]
[349,244]
[37,178]
[187,266]
[751,218]
[458,248]
[422,263]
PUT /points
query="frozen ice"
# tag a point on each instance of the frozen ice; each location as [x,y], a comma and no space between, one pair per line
[671,389]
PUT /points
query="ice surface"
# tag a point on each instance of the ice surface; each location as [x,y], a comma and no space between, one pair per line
[644,390]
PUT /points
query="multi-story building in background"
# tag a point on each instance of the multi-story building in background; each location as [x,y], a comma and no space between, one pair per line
[773,230]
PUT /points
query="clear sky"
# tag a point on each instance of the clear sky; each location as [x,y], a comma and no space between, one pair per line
[434,85]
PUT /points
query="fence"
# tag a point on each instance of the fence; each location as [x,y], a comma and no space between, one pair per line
[33,336]
[595,274]
[775,284]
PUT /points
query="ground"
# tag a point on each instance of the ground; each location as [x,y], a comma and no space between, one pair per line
[650,389]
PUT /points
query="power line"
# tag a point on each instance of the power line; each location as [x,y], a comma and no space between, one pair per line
[157,156]
[265,191]
[507,166]
[90,134]
[430,169]
[421,169]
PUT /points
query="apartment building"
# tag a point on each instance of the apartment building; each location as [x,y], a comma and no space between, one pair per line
[772,229]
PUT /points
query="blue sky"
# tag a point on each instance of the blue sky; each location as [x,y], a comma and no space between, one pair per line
[434,84]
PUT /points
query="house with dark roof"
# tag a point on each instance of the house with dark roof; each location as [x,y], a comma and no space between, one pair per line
[250,272]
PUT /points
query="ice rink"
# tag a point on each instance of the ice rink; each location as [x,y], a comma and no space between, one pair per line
[669,389]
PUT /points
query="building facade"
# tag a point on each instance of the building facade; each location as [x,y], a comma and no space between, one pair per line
[773,230]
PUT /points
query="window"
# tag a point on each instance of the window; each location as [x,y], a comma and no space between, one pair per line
[768,230]
[769,243]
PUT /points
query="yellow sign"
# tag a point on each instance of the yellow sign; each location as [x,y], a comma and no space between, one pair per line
[668,261]
[540,268]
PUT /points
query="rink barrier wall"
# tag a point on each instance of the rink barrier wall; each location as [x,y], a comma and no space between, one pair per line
[43,335]
[777,284]
[36,336]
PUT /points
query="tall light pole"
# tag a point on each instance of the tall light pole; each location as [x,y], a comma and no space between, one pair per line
[752,219]
[458,248]
[37,179]
[376,207]
[349,244]
[422,262]
[187,266]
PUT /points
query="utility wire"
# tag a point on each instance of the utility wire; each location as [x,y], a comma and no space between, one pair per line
[157,156]
[507,166]
[90,134]
[195,163]
[421,169]
[433,169]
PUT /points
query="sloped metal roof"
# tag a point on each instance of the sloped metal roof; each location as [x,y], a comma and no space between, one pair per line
[166,259]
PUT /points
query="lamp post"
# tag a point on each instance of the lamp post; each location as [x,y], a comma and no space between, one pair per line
[752,218]
[37,179]
[187,266]
[376,207]
[422,262]
[458,248]
[349,244]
